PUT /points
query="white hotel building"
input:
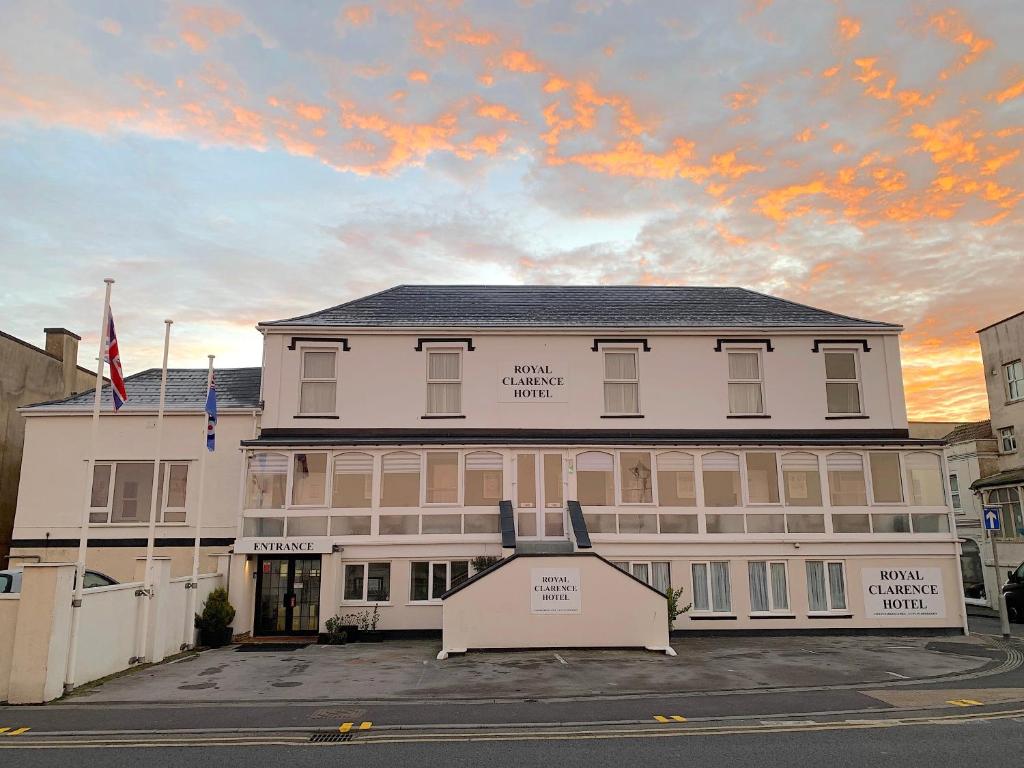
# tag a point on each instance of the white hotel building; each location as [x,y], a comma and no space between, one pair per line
[750,450]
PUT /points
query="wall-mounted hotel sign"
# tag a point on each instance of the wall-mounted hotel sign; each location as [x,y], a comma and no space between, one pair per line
[532,381]
[555,590]
[281,546]
[901,591]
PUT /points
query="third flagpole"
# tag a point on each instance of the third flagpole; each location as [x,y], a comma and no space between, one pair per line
[189,639]
[155,506]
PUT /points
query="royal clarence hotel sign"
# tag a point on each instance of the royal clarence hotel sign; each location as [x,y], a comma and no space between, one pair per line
[555,590]
[531,382]
[892,593]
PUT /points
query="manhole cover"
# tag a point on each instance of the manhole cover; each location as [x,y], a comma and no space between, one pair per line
[317,738]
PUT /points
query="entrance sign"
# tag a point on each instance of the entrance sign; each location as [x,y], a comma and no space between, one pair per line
[283,546]
[991,517]
[901,591]
[532,381]
[555,590]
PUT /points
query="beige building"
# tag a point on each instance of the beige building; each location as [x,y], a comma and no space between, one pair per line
[750,451]
[29,374]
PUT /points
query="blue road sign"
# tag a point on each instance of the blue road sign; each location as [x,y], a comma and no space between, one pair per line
[991,517]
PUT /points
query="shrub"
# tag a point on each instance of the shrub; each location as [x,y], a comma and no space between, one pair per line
[674,611]
[365,620]
[214,623]
[336,634]
[483,562]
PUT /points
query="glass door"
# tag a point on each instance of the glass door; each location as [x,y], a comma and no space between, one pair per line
[287,595]
[540,498]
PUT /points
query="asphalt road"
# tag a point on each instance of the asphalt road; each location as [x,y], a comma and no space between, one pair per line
[988,626]
[991,743]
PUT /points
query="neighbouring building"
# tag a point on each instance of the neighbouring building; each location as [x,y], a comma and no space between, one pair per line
[752,451]
[1002,354]
[28,375]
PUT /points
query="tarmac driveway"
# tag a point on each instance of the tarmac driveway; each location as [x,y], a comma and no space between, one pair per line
[407,670]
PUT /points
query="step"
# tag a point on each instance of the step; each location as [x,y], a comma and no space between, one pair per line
[555,547]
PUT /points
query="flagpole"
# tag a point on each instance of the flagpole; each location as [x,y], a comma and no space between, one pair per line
[154,506]
[83,537]
[194,583]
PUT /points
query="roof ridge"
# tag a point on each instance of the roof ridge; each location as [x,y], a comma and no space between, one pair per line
[817,309]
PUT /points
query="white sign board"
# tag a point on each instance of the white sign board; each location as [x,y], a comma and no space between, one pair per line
[555,590]
[532,381]
[280,546]
[902,591]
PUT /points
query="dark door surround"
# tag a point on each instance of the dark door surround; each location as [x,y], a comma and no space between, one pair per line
[290,598]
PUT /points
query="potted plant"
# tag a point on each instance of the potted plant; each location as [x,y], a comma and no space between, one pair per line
[214,623]
[336,633]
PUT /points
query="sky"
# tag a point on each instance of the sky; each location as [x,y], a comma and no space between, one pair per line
[245,161]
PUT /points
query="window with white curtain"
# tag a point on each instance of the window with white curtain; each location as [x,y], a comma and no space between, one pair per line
[842,383]
[444,382]
[484,476]
[711,592]
[400,480]
[621,384]
[353,481]
[846,484]
[801,479]
[266,480]
[924,479]
[595,479]
[676,484]
[768,588]
[721,474]
[746,387]
[656,573]
[826,586]
[318,388]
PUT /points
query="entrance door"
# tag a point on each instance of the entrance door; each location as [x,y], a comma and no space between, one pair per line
[287,596]
[540,496]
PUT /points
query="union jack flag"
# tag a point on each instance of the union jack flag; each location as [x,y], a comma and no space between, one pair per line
[113,358]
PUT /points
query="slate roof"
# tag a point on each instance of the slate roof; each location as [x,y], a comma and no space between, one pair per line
[574,306]
[186,390]
[971,430]
[1006,477]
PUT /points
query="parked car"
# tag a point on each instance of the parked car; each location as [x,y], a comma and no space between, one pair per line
[10,580]
[1013,593]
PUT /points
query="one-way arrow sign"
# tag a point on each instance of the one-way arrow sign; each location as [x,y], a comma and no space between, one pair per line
[991,517]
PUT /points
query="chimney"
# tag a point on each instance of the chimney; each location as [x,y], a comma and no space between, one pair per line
[63,345]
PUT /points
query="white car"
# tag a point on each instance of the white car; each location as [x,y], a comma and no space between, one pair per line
[10,580]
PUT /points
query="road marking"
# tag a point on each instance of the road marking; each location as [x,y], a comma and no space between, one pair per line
[365,726]
[670,718]
[964,702]
[896,674]
[561,659]
[16,732]
[345,727]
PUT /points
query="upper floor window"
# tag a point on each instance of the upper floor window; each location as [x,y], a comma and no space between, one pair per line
[309,479]
[595,480]
[267,481]
[1007,440]
[842,382]
[353,481]
[762,478]
[442,477]
[621,385]
[400,480]
[1014,373]
[676,485]
[721,475]
[746,387]
[886,483]
[444,382]
[954,489]
[636,477]
[484,479]
[924,479]
[801,479]
[318,387]
[846,483]
[122,492]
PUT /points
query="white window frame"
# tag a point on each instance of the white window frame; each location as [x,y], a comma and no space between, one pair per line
[759,380]
[618,479]
[635,351]
[710,591]
[869,480]
[328,480]
[459,485]
[1008,370]
[954,493]
[303,379]
[857,380]
[650,569]
[108,509]
[1007,437]
[773,608]
[431,597]
[832,610]
[745,479]
[366,582]
[429,350]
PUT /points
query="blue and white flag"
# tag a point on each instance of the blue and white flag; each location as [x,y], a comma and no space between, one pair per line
[211,415]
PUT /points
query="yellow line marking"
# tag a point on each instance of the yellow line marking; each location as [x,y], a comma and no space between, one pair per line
[661,719]
[345,727]
[679,718]
[18,731]
[964,702]
[670,718]
[365,726]
[4,730]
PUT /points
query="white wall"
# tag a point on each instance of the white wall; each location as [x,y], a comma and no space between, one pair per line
[8,624]
[683,383]
[108,633]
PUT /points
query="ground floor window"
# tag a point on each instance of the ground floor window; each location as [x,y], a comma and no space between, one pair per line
[368,582]
[826,586]
[430,580]
[711,587]
[768,587]
[656,573]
